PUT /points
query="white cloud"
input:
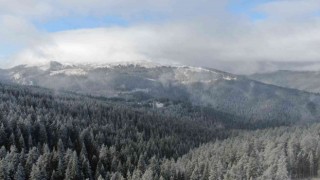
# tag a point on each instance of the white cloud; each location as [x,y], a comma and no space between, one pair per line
[15,30]
[43,9]
[183,43]
[198,33]
[27,8]
[289,9]
[91,45]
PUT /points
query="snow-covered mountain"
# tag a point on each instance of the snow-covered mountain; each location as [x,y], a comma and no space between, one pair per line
[248,99]
[113,78]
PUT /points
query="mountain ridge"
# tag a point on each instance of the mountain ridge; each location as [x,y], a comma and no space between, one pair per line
[251,100]
[301,80]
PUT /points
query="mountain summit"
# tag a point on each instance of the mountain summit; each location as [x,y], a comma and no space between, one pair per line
[248,99]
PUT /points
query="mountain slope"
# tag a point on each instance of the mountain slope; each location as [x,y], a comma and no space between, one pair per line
[252,101]
[44,132]
[302,80]
[153,116]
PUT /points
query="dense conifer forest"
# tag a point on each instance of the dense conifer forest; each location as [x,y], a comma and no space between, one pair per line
[52,135]
[159,90]
[279,153]
[46,134]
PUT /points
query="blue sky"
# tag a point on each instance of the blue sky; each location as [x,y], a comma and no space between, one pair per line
[74,21]
[71,22]
[248,8]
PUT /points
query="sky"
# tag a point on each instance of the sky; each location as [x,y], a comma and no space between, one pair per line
[238,36]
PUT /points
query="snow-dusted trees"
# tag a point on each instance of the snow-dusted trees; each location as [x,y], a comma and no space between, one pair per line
[51,135]
[48,136]
[282,172]
[73,170]
[281,153]
[20,174]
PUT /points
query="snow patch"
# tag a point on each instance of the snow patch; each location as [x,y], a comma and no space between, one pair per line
[145,64]
[16,76]
[149,79]
[159,105]
[198,69]
[141,90]
[136,90]
[69,72]
[229,78]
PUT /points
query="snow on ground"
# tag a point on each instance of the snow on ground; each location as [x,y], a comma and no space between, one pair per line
[69,72]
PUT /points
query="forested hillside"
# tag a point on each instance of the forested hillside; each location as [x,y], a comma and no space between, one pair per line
[254,102]
[46,134]
[159,90]
[279,154]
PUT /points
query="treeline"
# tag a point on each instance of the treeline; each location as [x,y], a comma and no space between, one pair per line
[47,135]
[272,154]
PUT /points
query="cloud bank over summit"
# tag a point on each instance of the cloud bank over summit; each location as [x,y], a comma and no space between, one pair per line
[218,34]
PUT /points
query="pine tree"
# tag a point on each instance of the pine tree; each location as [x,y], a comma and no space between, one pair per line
[30,142]
[311,162]
[205,173]
[103,156]
[148,174]
[32,158]
[73,170]
[20,174]
[100,170]
[282,172]
[141,163]
[3,152]
[214,174]
[43,134]
[12,159]
[21,142]
[3,170]
[38,173]
[196,175]
[61,166]
[128,175]
[86,169]
[253,167]
[136,175]
[100,178]
[154,165]
[116,176]
[55,175]
[3,136]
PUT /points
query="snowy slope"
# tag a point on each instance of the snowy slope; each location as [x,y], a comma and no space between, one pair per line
[200,86]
